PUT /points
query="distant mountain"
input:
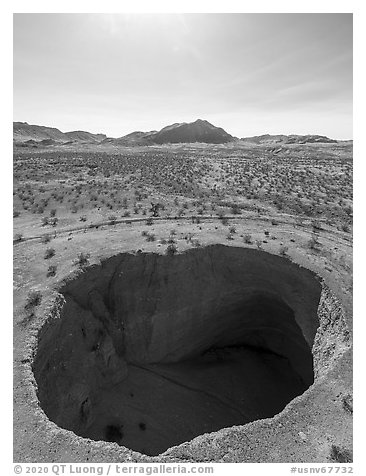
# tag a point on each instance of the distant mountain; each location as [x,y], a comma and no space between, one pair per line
[85,136]
[28,135]
[23,132]
[137,138]
[290,139]
[198,131]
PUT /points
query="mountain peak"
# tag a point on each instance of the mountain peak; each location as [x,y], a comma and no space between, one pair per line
[197,131]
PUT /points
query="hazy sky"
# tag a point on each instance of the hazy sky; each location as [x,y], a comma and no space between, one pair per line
[248,73]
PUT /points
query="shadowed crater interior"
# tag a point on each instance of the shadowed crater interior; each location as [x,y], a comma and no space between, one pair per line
[149,351]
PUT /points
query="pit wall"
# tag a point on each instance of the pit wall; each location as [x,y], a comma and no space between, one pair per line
[108,305]
[333,337]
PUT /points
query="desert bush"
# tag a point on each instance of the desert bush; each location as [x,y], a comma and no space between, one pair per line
[150,237]
[283,250]
[53,212]
[149,221]
[314,243]
[347,402]
[112,219]
[154,209]
[340,455]
[46,238]
[51,270]
[235,209]
[50,252]
[82,218]
[258,244]
[171,249]
[232,229]
[223,218]
[53,221]
[248,239]
[82,259]
[45,221]
[16,213]
[229,236]
[34,299]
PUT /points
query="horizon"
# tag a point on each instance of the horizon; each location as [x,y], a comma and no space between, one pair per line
[250,74]
[131,132]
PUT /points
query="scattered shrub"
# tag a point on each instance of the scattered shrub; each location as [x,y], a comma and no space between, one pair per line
[347,402]
[150,237]
[50,252]
[51,270]
[235,209]
[112,219]
[82,259]
[340,455]
[314,243]
[283,250]
[53,221]
[171,249]
[259,244]
[248,239]
[46,238]
[34,299]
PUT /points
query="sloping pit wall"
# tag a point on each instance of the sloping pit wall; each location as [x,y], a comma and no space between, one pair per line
[149,350]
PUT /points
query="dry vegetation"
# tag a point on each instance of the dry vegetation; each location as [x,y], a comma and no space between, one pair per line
[59,188]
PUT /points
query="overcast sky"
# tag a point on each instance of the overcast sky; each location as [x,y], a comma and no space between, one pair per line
[251,74]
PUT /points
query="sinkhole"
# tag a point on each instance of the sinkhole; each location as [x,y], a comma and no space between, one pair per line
[150,350]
